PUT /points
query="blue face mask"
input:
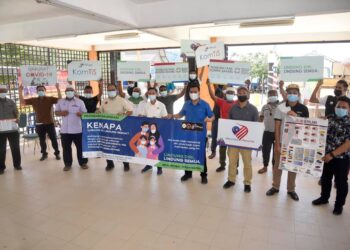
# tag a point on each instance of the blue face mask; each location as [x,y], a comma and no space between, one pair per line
[341,112]
[230,97]
[41,93]
[293,98]
[135,94]
[69,94]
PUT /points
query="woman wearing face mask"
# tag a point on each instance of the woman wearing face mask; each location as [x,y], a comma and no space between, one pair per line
[267,115]
[153,148]
[89,100]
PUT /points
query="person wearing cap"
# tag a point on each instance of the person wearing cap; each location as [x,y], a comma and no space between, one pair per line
[137,101]
[167,99]
[242,111]
[44,120]
[267,115]
[71,109]
[89,100]
[114,104]
[292,107]
[8,130]
[224,104]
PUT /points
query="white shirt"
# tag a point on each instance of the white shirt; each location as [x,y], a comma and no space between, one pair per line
[117,105]
[156,110]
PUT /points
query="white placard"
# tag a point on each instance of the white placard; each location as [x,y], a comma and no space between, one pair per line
[224,72]
[302,68]
[34,75]
[188,47]
[133,70]
[303,145]
[240,134]
[84,71]
[207,52]
[171,72]
[8,125]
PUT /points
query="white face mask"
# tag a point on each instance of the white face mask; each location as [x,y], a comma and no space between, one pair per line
[194,96]
[230,97]
[143,142]
[112,94]
[153,131]
[193,76]
[3,95]
[272,99]
[152,142]
[88,95]
[135,94]
[164,93]
[69,94]
[152,97]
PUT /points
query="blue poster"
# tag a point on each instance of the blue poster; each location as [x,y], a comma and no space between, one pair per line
[148,141]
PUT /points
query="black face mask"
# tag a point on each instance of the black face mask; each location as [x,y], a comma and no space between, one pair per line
[337,92]
[242,98]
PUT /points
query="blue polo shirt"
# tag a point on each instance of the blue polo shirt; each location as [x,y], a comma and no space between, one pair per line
[196,113]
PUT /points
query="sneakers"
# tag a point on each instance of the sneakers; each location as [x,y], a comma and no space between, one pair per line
[319,201]
[220,169]
[43,157]
[204,180]
[337,210]
[159,171]
[146,168]
[272,191]
[109,167]
[293,195]
[18,168]
[67,168]
[84,166]
[247,188]
[228,184]
[212,155]
[126,167]
[262,170]
[186,177]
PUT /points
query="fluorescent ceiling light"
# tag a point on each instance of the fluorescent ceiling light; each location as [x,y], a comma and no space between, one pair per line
[259,22]
[55,37]
[122,36]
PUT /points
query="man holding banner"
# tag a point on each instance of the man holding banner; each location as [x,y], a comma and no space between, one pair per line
[197,111]
[44,122]
[290,108]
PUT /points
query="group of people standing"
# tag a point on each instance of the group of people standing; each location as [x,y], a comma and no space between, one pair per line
[159,103]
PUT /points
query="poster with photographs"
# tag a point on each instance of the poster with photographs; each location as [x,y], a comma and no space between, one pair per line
[303,145]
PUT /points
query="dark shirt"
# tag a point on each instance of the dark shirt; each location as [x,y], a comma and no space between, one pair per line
[338,133]
[248,113]
[168,101]
[90,103]
[8,109]
[43,108]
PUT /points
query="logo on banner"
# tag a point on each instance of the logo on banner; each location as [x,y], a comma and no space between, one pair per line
[240,131]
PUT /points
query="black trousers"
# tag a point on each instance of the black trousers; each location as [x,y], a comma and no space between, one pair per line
[268,143]
[205,170]
[67,140]
[13,138]
[338,168]
[110,163]
[214,135]
[50,130]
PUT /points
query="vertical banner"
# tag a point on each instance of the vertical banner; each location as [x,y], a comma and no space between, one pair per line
[223,72]
[301,68]
[189,47]
[147,141]
[303,145]
[171,72]
[207,52]
[84,71]
[34,75]
[240,134]
[133,71]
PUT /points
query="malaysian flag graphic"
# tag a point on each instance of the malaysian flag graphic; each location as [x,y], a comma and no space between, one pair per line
[240,131]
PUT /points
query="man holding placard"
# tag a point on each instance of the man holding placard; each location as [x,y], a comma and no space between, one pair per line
[8,130]
[44,122]
[290,108]
[242,111]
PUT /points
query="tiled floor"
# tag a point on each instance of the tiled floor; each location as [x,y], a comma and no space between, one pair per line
[43,207]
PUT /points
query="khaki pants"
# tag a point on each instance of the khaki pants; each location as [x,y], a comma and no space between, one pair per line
[233,155]
[277,174]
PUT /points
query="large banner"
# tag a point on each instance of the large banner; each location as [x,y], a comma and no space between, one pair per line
[303,145]
[171,72]
[133,70]
[207,52]
[148,141]
[223,72]
[84,71]
[302,68]
[240,134]
[34,75]
[189,47]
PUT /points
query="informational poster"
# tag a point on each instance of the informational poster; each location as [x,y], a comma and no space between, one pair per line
[240,134]
[8,125]
[133,70]
[207,52]
[303,145]
[301,68]
[188,47]
[84,71]
[34,75]
[224,72]
[147,141]
[171,72]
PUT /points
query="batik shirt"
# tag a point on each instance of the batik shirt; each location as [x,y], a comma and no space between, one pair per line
[338,134]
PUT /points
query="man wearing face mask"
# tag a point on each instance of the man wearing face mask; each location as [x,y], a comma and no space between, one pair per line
[193,81]
[89,100]
[267,116]
[44,122]
[154,109]
[329,101]
[131,86]
[197,111]
[243,111]
[137,101]
[286,109]
[71,109]
[8,130]
[224,104]
[115,105]
[337,156]
[169,100]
